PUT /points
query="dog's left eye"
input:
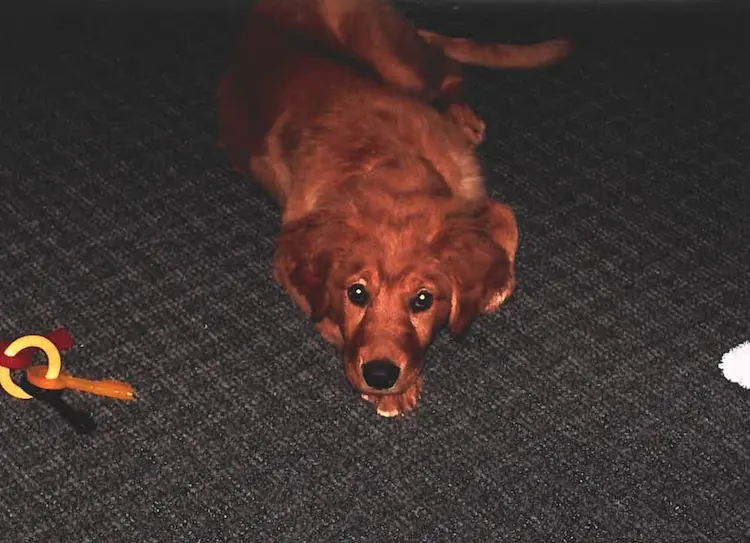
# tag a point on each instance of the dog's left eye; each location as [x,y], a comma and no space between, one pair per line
[358,295]
[422,301]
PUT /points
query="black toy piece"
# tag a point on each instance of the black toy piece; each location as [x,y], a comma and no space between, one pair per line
[79,420]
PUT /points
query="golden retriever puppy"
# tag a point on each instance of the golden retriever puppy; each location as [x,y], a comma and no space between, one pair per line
[351,119]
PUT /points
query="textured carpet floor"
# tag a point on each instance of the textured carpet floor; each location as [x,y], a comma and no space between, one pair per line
[590,409]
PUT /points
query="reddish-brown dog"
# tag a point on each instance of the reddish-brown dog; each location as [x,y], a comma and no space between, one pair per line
[350,117]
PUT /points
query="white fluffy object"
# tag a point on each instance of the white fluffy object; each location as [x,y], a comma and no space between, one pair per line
[736,365]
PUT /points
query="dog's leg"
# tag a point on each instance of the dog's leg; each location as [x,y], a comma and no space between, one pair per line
[472,126]
[378,35]
[375,33]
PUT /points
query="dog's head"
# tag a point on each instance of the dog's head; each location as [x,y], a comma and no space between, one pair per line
[384,286]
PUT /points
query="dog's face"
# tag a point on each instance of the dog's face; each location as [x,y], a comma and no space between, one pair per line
[388,321]
[383,288]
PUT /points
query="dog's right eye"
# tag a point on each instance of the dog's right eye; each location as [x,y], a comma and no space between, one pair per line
[358,295]
[422,302]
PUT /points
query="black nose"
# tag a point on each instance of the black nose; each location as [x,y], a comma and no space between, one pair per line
[380,374]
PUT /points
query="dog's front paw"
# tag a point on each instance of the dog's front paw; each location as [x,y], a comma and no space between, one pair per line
[392,405]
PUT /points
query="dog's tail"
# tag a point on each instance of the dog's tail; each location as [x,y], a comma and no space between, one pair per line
[500,55]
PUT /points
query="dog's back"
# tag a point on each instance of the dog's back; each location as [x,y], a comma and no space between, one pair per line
[298,98]
[321,45]
[319,87]
[280,60]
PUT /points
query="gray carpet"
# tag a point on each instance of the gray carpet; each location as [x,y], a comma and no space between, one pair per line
[590,409]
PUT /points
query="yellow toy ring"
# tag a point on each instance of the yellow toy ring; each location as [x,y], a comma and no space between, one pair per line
[54,364]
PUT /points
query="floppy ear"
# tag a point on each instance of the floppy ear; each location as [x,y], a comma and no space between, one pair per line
[305,253]
[477,251]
